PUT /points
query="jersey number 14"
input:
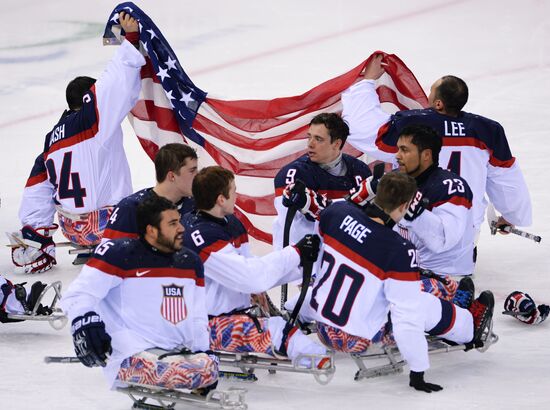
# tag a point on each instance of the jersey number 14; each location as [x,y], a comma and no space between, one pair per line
[69,182]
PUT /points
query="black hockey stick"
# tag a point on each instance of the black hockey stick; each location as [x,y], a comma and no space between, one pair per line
[306,273]
[299,187]
[515,231]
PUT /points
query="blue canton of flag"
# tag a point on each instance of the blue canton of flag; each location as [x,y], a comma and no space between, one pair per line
[184,96]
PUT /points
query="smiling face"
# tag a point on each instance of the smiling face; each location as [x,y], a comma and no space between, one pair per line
[319,148]
[168,237]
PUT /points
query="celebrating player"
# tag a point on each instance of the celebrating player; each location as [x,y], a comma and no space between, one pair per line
[368,270]
[474,147]
[82,171]
[138,299]
[175,167]
[325,169]
[233,274]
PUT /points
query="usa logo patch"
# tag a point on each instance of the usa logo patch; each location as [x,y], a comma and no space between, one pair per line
[173,306]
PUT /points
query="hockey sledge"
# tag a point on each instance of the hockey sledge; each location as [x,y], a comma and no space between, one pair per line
[56,318]
[249,362]
[162,399]
[370,366]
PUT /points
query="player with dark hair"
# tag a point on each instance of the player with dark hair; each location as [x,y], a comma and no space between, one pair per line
[82,171]
[175,168]
[233,274]
[368,270]
[141,304]
[474,147]
[325,170]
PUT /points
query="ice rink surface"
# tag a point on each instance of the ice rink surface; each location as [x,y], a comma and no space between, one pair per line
[263,49]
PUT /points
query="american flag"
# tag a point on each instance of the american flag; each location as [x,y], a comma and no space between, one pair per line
[252,138]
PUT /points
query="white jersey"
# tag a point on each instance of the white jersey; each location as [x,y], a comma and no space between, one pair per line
[232,273]
[146,299]
[367,271]
[474,147]
[444,233]
[83,166]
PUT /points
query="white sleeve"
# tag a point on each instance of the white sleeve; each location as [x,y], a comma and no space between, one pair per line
[362,112]
[408,320]
[117,89]
[299,228]
[37,208]
[255,274]
[508,191]
[441,228]
[86,291]
[201,339]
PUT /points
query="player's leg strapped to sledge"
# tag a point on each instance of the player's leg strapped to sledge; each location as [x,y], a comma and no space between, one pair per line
[17,305]
[449,327]
[246,338]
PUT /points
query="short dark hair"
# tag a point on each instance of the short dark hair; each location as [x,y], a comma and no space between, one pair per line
[394,189]
[424,137]
[209,183]
[171,157]
[149,212]
[75,91]
[337,128]
[453,92]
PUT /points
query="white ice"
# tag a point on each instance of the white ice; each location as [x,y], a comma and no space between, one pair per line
[264,49]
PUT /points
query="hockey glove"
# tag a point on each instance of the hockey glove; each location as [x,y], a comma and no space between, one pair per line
[33,249]
[92,344]
[416,207]
[523,307]
[308,247]
[416,380]
[309,202]
[365,192]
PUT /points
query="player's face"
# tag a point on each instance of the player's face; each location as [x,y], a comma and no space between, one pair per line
[319,147]
[170,232]
[408,156]
[228,205]
[184,177]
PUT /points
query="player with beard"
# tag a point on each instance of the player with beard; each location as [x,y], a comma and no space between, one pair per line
[137,299]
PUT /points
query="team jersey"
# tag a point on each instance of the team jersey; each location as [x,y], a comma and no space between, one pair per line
[318,179]
[83,166]
[444,233]
[367,271]
[232,273]
[123,223]
[145,297]
[474,147]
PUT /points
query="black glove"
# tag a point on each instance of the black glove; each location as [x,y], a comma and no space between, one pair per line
[416,380]
[416,207]
[91,343]
[308,247]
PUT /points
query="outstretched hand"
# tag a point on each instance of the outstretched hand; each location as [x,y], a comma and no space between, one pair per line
[375,68]
[128,23]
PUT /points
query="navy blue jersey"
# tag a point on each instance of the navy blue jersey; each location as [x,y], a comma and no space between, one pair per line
[384,252]
[123,223]
[464,130]
[127,257]
[439,186]
[205,234]
[321,181]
